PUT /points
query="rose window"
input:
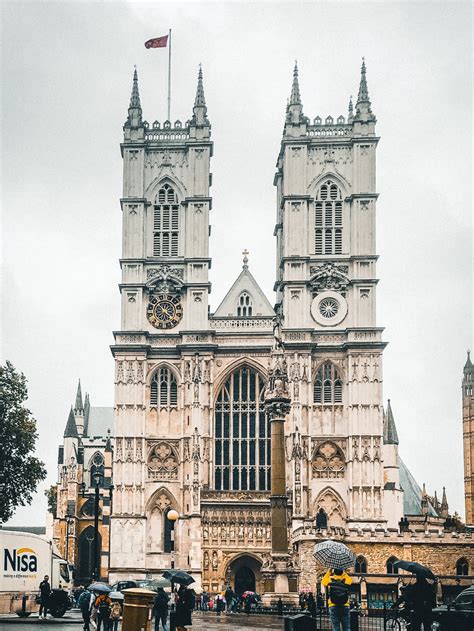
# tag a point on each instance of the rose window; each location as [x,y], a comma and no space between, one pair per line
[328,307]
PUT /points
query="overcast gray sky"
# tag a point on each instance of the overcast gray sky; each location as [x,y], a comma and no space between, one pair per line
[66,77]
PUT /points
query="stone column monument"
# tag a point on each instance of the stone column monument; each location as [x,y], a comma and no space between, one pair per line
[278,570]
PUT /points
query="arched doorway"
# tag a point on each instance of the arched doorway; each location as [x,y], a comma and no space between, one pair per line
[244,580]
[243,574]
[86,553]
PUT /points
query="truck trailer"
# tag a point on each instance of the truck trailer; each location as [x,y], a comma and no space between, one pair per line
[26,559]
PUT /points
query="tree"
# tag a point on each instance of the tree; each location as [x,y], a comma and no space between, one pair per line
[20,471]
[52,495]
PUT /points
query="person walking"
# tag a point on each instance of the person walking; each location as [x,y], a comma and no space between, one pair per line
[45,593]
[420,598]
[229,597]
[184,607]
[102,604]
[85,603]
[160,609]
[115,614]
[337,582]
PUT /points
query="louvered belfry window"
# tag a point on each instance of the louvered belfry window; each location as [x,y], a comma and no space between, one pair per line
[242,434]
[328,219]
[164,389]
[166,223]
[327,385]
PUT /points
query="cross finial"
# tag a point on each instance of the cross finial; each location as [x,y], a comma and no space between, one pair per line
[245,254]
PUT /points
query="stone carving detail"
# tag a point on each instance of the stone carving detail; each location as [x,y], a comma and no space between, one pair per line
[329,276]
[162,462]
[120,378]
[328,461]
[165,279]
[333,507]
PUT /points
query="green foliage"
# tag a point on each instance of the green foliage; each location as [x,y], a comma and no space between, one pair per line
[52,495]
[20,472]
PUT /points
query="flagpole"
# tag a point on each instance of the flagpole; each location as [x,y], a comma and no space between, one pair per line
[169,76]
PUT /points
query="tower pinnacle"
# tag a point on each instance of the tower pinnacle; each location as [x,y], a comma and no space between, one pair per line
[78,407]
[390,436]
[134,118]
[200,109]
[363,111]
[294,109]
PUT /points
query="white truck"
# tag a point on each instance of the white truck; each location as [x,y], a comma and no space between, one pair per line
[26,559]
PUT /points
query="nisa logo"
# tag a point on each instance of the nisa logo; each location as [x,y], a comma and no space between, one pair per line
[22,560]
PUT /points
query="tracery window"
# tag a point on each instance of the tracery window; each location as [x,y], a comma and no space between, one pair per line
[390,567]
[361,565]
[166,223]
[327,385]
[328,219]
[328,461]
[462,567]
[242,434]
[164,389]
[244,306]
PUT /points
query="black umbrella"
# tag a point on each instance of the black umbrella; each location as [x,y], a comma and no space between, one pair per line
[415,568]
[99,587]
[178,576]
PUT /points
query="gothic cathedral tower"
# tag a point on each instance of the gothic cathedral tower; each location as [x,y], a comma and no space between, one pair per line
[326,292]
[164,288]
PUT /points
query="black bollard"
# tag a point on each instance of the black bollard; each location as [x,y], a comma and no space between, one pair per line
[354,618]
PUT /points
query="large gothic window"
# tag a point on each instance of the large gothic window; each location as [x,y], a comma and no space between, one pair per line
[244,305]
[327,385]
[391,569]
[328,219]
[166,223]
[164,389]
[242,434]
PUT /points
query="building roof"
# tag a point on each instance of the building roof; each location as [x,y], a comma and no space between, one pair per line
[412,493]
[100,420]
[71,427]
[245,282]
[390,436]
[35,530]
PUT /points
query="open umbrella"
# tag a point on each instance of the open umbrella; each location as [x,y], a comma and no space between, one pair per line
[116,596]
[415,568]
[178,576]
[334,554]
[101,588]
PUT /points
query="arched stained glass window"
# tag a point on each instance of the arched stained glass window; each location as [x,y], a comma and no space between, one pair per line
[166,223]
[244,305]
[327,385]
[462,567]
[242,434]
[391,569]
[328,219]
[164,389]
[361,565]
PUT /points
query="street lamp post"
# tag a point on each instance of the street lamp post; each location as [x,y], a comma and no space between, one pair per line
[69,520]
[95,554]
[172,516]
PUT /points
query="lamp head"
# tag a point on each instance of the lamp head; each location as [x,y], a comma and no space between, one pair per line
[172,515]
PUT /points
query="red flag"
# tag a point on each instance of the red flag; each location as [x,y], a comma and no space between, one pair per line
[157,42]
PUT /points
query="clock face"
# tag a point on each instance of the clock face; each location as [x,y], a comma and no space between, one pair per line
[164,311]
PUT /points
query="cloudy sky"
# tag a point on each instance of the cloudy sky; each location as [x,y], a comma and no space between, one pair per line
[66,78]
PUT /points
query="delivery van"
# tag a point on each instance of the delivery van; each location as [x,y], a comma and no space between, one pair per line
[25,560]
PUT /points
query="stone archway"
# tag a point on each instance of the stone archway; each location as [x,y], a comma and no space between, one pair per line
[244,574]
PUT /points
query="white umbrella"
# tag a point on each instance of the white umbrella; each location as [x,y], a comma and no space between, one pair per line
[334,554]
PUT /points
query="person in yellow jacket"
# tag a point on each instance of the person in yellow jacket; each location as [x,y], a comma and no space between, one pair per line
[336,583]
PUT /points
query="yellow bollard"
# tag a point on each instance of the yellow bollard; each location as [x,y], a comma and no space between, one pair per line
[136,610]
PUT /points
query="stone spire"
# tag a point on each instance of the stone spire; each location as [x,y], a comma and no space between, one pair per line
[87,409]
[200,109]
[444,504]
[78,407]
[424,501]
[468,366]
[390,436]
[294,109]
[71,429]
[363,111]
[134,118]
[350,116]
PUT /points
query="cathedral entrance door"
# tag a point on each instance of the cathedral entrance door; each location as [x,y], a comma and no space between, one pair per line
[244,580]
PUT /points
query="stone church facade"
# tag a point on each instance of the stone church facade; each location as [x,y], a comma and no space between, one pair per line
[190,428]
